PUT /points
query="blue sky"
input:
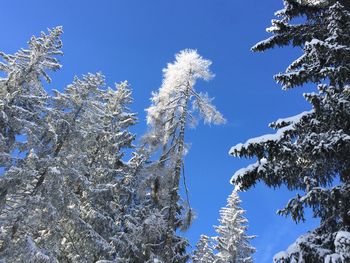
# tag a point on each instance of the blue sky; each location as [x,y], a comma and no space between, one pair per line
[133,40]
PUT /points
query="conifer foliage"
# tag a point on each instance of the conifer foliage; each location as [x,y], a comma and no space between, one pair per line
[68,193]
[61,157]
[232,245]
[309,152]
[232,241]
[204,251]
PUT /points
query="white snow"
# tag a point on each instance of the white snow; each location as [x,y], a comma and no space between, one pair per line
[280,256]
[342,243]
[259,166]
[55,170]
[293,119]
[260,140]
[333,258]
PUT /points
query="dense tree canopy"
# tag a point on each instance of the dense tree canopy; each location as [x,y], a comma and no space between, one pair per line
[68,193]
[309,152]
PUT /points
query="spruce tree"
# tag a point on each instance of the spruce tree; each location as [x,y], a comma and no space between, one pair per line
[62,201]
[22,104]
[204,251]
[22,96]
[309,152]
[232,242]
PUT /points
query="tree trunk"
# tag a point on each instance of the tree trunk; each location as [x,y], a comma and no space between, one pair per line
[174,195]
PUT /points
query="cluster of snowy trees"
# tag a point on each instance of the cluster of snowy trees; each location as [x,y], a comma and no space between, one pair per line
[68,191]
[309,153]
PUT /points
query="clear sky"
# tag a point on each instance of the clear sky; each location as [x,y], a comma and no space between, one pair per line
[133,40]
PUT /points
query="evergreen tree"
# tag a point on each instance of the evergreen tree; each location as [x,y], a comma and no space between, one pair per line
[22,105]
[233,242]
[22,96]
[309,152]
[62,201]
[204,251]
[66,195]
[167,118]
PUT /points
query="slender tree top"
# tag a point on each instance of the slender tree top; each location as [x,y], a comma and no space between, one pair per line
[233,244]
[177,91]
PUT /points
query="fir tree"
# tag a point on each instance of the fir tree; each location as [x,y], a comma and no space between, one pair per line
[309,151]
[204,251]
[62,201]
[232,241]
[22,96]
[22,104]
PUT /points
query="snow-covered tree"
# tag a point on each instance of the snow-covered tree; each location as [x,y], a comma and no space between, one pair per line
[286,31]
[204,251]
[22,105]
[168,117]
[91,124]
[309,152]
[66,192]
[22,95]
[232,242]
[63,200]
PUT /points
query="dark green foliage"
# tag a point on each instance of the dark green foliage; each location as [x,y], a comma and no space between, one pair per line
[310,152]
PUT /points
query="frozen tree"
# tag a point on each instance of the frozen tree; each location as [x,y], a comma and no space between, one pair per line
[309,151]
[233,244]
[143,234]
[22,105]
[167,118]
[285,31]
[22,95]
[63,201]
[204,251]
[92,133]
[142,224]
[71,206]
[326,57]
